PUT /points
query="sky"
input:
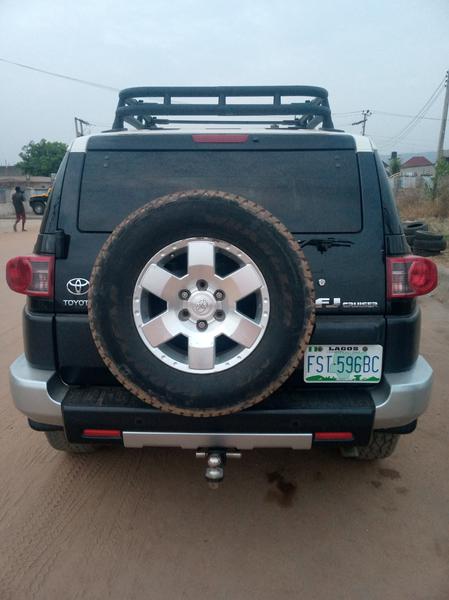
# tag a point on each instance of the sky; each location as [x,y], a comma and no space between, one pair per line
[388,56]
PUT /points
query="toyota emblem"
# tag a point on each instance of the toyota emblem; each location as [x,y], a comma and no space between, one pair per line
[202,306]
[78,286]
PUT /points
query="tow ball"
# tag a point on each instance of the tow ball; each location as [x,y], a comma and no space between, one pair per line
[216,460]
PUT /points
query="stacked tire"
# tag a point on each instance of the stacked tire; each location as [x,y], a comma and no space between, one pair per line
[422,241]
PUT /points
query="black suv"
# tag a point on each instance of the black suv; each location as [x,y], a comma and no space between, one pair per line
[225,276]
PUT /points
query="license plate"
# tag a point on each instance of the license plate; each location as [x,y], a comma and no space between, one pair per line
[343,364]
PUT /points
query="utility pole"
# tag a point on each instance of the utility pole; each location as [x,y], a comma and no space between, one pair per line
[441,136]
[365,114]
[443,120]
[79,126]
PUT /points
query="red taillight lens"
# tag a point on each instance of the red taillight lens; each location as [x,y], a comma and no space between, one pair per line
[103,433]
[410,276]
[221,138]
[31,275]
[333,436]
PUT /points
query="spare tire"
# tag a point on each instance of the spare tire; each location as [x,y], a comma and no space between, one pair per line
[201,303]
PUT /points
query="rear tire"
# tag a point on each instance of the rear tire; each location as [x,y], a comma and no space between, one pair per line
[382,445]
[58,441]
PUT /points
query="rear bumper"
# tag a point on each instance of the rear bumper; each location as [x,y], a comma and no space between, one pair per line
[285,421]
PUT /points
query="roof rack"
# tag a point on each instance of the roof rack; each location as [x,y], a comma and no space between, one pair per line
[134,109]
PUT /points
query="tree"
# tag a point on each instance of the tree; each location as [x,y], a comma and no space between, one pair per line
[41,158]
[442,168]
[441,186]
[395,164]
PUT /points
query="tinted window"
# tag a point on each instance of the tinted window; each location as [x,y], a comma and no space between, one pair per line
[309,191]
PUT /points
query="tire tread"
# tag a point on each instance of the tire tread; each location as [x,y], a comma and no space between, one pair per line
[58,441]
[382,445]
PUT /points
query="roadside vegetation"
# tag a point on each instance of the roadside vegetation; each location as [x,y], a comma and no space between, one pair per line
[41,158]
[423,204]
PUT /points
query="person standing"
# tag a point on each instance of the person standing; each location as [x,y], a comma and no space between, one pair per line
[18,199]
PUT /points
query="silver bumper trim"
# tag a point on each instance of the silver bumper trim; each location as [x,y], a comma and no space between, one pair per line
[399,399]
[36,392]
[403,397]
[240,441]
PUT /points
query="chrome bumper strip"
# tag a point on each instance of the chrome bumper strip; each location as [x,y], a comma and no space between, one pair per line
[240,441]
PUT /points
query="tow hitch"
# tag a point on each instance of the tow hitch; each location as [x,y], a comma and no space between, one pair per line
[216,460]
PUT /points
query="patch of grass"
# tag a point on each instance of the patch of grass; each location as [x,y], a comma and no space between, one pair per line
[417,205]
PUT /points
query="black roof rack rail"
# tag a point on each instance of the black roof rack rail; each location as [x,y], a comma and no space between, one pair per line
[142,114]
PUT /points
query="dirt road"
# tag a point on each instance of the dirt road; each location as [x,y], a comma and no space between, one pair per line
[140,524]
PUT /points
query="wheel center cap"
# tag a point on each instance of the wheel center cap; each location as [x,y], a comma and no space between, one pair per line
[202,305]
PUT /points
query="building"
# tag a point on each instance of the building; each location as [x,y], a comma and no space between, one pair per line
[418,166]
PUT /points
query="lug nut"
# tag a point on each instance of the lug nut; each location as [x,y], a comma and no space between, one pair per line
[184,294]
[219,295]
[201,325]
[184,314]
[219,315]
[201,284]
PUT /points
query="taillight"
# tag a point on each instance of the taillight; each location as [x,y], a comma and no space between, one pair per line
[31,275]
[102,433]
[220,138]
[333,436]
[410,276]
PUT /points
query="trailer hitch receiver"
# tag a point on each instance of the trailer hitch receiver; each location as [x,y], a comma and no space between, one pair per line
[216,460]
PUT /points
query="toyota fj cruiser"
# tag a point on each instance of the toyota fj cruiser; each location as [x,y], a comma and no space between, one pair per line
[224,276]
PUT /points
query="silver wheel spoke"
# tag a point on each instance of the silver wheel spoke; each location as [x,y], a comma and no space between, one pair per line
[242,330]
[161,283]
[242,282]
[201,259]
[201,352]
[161,329]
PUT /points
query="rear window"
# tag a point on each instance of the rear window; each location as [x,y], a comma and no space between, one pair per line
[309,191]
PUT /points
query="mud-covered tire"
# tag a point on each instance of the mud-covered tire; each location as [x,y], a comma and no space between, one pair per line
[213,215]
[382,445]
[58,441]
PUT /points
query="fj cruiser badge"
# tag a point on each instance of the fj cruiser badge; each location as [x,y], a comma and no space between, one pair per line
[337,303]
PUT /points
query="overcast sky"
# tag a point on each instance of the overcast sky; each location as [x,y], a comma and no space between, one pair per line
[383,55]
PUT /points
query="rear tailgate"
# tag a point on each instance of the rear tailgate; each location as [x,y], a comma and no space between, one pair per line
[330,199]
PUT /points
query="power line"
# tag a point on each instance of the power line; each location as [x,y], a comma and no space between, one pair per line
[417,118]
[346,114]
[388,114]
[61,76]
